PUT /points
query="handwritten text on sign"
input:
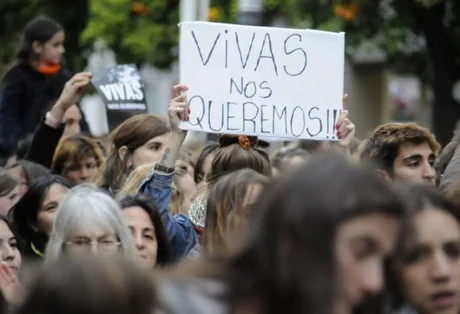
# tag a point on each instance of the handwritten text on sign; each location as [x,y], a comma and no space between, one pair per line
[262,81]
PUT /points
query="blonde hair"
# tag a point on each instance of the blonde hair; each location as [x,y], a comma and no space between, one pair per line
[134,180]
[177,192]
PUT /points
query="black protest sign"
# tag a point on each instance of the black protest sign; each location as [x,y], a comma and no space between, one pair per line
[263,81]
[122,90]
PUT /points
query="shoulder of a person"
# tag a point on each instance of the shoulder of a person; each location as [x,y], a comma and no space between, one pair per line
[17,72]
[193,295]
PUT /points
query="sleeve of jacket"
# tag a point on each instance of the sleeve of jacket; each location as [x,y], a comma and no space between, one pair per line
[10,111]
[44,143]
[452,171]
[179,227]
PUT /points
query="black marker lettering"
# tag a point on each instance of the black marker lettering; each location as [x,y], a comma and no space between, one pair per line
[233,83]
[271,56]
[210,114]
[314,118]
[262,120]
[198,120]
[199,49]
[292,121]
[247,93]
[237,39]
[249,119]
[280,116]
[230,117]
[264,86]
[293,51]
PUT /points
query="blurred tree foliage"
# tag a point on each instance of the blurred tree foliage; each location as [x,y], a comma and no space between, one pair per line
[138,31]
[14,14]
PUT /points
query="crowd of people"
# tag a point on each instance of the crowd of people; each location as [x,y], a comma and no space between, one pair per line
[143,223]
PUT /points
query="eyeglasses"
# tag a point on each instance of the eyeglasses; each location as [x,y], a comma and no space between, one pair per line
[85,245]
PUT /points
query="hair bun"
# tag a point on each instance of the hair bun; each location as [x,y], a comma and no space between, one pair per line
[246,142]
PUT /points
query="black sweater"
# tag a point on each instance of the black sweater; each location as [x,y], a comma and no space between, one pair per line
[25,96]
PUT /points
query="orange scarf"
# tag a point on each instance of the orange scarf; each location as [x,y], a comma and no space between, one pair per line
[48,69]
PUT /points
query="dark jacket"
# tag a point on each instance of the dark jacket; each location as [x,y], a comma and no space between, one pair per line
[25,96]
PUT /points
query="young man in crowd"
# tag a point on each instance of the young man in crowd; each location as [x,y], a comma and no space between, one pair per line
[402,152]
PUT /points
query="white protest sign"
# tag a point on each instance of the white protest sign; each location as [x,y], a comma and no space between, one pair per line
[263,81]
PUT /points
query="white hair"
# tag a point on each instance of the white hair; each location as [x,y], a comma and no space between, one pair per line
[84,209]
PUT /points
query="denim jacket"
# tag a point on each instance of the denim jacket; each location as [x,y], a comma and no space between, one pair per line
[180,229]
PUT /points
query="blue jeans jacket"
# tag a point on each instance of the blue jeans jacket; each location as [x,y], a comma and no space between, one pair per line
[180,229]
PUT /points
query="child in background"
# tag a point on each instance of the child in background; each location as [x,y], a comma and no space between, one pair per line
[33,83]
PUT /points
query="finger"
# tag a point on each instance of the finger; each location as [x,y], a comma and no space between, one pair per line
[176,111]
[83,75]
[180,99]
[343,115]
[178,89]
[343,125]
[345,101]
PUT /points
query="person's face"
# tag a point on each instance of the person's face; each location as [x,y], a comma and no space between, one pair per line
[72,118]
[143,233]
[53,50]
[18,173]
[361,245]
[429,270]
[188,188]
[414,164]
[45,217]
[84,172]
[149,153]
[207,163]
[98,241]
[8,200]
[9,247]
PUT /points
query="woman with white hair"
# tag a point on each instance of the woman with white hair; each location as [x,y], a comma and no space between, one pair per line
[89,221]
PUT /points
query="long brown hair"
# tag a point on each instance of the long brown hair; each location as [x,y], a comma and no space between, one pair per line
[224,208]
[132,133]
[238,152]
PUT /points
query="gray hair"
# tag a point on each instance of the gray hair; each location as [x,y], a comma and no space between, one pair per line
[86,208]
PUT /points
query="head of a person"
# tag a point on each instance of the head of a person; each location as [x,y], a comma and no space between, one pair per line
[34,214]
[235,153]
[137,141]
[78,158]
[134,180]
[228,208]
[72,119]
[402,152]
[204,161]
[23,147]
[313,146]
[91,285]
[10,250]
[89,221]
[9,191]
[146,225]
[42,41]
[445,156]
[27,172]
[184,190]
[318,237]
[425,269]
[186,157]
[288,158]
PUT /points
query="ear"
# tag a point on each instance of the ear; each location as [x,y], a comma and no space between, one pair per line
[37,47]
[383,175]
[122,151]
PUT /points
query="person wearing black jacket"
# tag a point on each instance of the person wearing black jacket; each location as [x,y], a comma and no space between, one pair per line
[33,83]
